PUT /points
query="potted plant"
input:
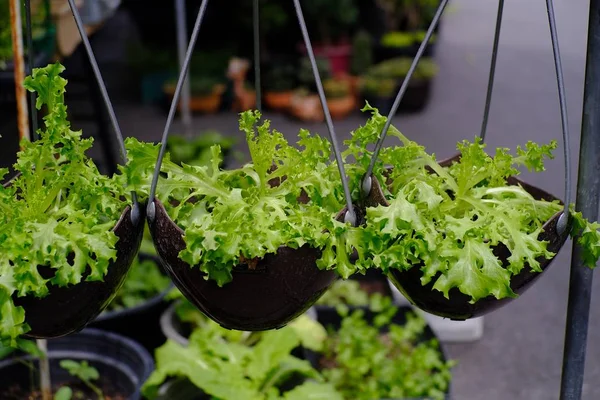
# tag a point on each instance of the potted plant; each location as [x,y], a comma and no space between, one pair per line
[206,94]
[419,88]
[333,20]
[154,66]
[362,58]
[196,150]
[463,236]
[279,86]
[305,103]
[91,364]
[236,365]
[243,280]
[136,309]
[340,100]
[68,234]
[405,22]
[378,92]
[383,352]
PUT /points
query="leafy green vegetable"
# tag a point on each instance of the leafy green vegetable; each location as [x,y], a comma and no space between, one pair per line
[447,222]
[85,373]
[58,213]
[344,292]
[229,369]
[196,151]
[363,362]
[310,333]
[144,280]
[239,214]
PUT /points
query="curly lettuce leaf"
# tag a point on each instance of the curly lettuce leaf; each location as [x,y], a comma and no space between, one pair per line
[446,221]
[230,216]
[57,213]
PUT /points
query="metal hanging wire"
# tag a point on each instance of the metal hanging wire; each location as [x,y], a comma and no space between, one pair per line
[367,183]
[562,224]
[490,86]
[350,214]
[106,98]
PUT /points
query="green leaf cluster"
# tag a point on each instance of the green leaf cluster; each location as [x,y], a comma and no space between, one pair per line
[384,360]
[228,365]
[57,213]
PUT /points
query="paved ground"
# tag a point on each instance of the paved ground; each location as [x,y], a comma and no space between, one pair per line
[520,354]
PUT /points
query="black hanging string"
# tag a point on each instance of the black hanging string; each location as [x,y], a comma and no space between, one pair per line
[561,226]
[105,97]
[175,100]
[350,214]
[490,86]
[366,185]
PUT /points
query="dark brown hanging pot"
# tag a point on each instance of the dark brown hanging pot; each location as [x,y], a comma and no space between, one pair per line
[556,230]
[267,293]
[69,309]
[457,306]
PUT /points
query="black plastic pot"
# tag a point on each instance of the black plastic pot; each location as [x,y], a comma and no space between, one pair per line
[172,328]
[373,281]
[383,53]
[121,362]
[416,97]
[79,304]
[330,319]
[276,290]
[458,305]
[180,389]
[140,323]
[382,103]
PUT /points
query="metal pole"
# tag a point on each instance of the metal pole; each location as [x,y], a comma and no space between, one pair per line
[21,96]
[588,195]
[181,23]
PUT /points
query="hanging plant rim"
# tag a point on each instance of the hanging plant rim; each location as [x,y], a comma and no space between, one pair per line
[281,286]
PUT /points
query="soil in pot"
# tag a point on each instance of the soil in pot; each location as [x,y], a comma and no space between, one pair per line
[122,364]
[79,391]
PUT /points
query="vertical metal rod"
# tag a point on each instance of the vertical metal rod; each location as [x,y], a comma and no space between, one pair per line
[30,61]
[255,23]
[181,24]
[350,214]
[19,73]
[588,194]
[366,185]
[490,87]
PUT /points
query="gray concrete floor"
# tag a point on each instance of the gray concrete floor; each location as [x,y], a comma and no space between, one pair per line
[520,355]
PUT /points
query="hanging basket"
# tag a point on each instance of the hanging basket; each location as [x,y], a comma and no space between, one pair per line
[268,295]
[80,304]
[458,306]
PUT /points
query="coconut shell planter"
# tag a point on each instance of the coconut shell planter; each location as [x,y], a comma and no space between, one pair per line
[457,305]
[255,253]
[69,234]
[461,237]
